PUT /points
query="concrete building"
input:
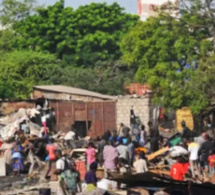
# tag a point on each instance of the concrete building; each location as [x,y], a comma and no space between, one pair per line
[146,7]
[59,92]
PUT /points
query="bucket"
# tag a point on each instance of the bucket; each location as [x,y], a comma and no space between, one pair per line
[45,191]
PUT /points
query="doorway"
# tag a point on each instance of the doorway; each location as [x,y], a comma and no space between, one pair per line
[81,127]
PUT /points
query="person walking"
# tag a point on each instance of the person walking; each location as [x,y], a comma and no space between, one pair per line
[193,149]
[50,148]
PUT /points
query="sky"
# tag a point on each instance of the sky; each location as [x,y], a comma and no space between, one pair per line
[129,5]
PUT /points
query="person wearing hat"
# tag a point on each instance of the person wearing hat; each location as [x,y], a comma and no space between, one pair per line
[71,178]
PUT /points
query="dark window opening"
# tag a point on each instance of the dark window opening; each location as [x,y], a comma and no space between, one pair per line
[81,127]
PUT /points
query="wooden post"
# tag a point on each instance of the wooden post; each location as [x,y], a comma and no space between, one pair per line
[103,121]
[94,117]
[57,117]
[87,117]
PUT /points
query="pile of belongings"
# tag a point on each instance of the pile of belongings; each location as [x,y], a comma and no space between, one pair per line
[11,123]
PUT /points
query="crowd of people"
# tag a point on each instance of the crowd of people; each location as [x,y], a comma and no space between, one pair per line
[124,151]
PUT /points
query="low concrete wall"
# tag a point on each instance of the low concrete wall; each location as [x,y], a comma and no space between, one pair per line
[141,107]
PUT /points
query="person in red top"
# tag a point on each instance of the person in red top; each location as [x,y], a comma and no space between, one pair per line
[50,147]
[178,170]
[211,162]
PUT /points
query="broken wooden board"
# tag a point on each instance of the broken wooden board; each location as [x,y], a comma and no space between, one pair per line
[157,153]
[161,172]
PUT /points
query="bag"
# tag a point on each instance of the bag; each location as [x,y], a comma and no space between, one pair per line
[66,164]
[66,167]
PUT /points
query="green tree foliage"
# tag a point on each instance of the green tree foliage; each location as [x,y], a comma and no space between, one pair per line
[21,70]
[80,37]
[14,10]
[86,42]
[161,48]
[107,77]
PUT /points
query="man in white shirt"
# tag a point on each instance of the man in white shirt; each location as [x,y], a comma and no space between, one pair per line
[61,166]
[69,139]
[193,149]
[141,164]
[122,150]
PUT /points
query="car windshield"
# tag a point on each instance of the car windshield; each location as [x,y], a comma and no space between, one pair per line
[77,155]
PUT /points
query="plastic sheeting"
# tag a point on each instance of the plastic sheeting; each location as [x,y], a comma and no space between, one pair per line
[177,151]
[12,122]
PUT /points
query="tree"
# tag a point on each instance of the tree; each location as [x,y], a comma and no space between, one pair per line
[15,10]
[107,77]
[166,52]
[81,37]
[11,12]
[21,70]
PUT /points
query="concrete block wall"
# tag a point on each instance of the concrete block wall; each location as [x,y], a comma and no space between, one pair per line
[141,107]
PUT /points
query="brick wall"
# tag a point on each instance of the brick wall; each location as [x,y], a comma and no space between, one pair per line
[7,107]
[141,106]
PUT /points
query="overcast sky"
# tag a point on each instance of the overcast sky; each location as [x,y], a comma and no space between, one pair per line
[129,5]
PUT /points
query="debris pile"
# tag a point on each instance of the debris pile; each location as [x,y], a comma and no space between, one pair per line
[130,160]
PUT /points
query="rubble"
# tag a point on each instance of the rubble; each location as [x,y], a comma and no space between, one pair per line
[156,180]
[10,124]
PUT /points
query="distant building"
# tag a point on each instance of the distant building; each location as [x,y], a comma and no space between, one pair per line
[59,92]
[146,7]
[138,89]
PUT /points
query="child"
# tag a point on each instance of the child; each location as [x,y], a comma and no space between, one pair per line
[211,162]
[17,161]
[16,167]
[90,155]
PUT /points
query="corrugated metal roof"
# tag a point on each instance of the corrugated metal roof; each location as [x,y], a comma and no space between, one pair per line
[73,90]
